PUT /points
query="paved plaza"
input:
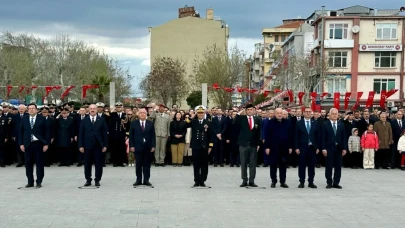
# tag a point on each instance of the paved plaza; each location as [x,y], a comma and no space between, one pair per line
[370,198]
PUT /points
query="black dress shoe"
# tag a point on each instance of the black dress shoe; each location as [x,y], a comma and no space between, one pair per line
[196,184]
[265,165]
[78,165]
[97,184]
[237,165]
[174,165]
[337,186]
[284,185]
[137,183]
[19,165]
[202,184]
[39,185]
[232,166]
[312,186]
[328,186]
[244,184]
[215,165]
[222,166]
[147,183]
[252,184]
[88,183]
[115,165]
[318,166]
[156,165]
[273,185]
[29,185]
[180,165]
[301,185]
[163,165]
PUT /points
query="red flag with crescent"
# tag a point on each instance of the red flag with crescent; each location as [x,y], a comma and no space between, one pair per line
[336,100]
[370,99]
[347,98]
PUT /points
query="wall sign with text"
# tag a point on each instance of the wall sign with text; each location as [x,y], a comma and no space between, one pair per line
[380,47]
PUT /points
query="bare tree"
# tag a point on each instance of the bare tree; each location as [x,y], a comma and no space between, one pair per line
[225,69]
[166,80]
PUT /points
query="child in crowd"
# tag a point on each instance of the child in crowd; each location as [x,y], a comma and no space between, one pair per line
[401,149]
[369,145]
[354,148]
[131,157]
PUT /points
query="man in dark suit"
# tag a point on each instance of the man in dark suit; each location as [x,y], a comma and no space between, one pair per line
[249,139]
[16,128]
[397,125]
[34,140]
[117,136]
[50,156]
[142,142]
[232,134]
[4,132]
[219,125]
[307,141]
[77,121]
[201,145]
[93,142]
[278,144]
[363,123]
[334,146]
[64,137]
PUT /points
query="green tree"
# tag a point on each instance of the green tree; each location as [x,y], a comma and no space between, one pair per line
[194,99]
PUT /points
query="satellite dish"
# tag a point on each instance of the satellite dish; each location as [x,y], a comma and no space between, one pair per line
[402,9]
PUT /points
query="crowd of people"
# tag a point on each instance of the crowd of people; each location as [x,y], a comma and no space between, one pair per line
[246,137]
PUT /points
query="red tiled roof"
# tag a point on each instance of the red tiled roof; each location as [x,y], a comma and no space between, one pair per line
[295,24]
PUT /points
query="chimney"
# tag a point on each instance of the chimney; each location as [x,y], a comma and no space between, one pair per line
[210,14]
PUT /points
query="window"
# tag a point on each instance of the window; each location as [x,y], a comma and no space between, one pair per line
[385,59]
[336,84]
[386,31]
[337,59]
[276,38]
[338,31]
[282,38]
[383,84]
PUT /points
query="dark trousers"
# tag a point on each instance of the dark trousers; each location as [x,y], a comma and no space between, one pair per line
[320,159]
[73,153]
[333,161]
[1,154]
[34,152]
[118,151]
[248,156]
[293,159]
[282,167]
[356,159]
[395,156]
[347,160]
[20,154]
[9,152]
[95,155]
[200,164]
[64,155]
[265,156]
[80,157]
[307,158]
[382,157]
[234,154]
[219,152]
[143,160]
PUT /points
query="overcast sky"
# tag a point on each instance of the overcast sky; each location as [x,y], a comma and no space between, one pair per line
[120,27]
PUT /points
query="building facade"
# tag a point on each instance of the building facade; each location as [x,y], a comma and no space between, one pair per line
[362,49]
[187,38]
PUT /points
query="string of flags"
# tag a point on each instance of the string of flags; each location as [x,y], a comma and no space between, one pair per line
[313,96]
[48,90]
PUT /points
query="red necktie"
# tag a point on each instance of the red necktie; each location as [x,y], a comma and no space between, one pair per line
[250,123]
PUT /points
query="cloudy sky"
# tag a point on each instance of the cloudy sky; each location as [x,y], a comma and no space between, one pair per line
[120,27]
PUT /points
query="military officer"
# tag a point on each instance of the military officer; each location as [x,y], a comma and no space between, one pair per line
[101,114]
[3,136]
[201,144]
[162,130]
[117,136]
[64,137]
[50,155]
[9,148]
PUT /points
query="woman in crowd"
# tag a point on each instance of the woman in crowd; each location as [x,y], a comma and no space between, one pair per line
[178,131]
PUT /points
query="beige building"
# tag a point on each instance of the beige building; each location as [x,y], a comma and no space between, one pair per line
[188,37]
[363,48]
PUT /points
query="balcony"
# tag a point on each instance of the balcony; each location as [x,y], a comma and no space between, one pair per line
[278,43]
[260,72]
[269,60]
[257,67]
[256,55]
[338,43]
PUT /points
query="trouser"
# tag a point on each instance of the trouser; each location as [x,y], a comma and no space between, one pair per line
[118,151]
[8,153]
[395,156]
[64,155]
[2,155]
[265,156]
[160,151]
[282,166]
[368,158]
[382,156]
[200,164]
[234,154]
[320,159]
[72,153]
[347,160]
[356,159]
[333,162]
[293,159]
[219,152]
[143,160]
[80,157]
[20,154]
[306,158]
[403,159]
[248,156]
[177,153]
[94,154]
[34,151]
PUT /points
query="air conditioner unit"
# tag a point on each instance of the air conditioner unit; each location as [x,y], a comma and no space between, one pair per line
[329,95]
[390,104]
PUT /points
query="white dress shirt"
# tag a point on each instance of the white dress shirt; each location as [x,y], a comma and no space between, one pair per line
[35,118]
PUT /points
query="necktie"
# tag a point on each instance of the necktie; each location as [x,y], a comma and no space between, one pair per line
[308,126]
[82,117]
[367,121]
[92,120]
[219,119]
[200,121]
[119,115]
[334,128]
[32,127]
[21,116]
[142,126]
[250,123]
[400,124]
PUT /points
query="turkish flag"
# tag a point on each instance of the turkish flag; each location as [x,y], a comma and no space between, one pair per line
[336,100]
[313,100]
[385,95]
[266,93]
[347,98]
[300,96]
[290,95]
[359,94]
[9,88]
[370,99]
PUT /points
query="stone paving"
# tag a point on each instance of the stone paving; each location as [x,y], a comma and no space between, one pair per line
[369,198]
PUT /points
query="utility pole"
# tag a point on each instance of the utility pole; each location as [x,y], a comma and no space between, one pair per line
[322,76]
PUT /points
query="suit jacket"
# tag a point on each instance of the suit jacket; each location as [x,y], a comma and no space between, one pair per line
[396,129]
[264,123]
[92,134]
[17,122]
[77,122]
[232,132]
[219,127]
[201,136]
[145,140]
[50,122]
[330,140]
[302,138]
[362,125]
[116,130]
[249,137]
[40,130]
[64,132]
[10,123]
[4,130]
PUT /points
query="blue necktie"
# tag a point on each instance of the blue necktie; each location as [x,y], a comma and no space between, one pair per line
[334,128]
[308,130]
[32,127]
